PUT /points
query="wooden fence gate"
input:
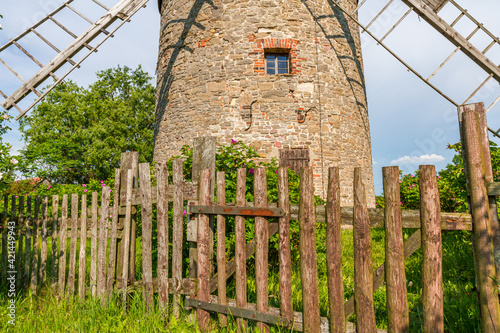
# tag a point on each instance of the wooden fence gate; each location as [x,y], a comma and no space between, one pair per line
[309,320]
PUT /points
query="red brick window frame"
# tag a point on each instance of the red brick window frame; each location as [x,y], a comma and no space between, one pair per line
[275,45]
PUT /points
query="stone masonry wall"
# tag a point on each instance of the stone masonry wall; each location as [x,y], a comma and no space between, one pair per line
[212,81]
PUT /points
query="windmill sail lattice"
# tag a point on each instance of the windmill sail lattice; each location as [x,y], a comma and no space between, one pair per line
[122,11]
[429,10]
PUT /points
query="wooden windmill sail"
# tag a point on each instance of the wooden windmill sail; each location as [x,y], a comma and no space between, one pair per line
[428,10]
[122,11]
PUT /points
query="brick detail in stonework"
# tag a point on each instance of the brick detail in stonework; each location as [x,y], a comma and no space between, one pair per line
[203,43]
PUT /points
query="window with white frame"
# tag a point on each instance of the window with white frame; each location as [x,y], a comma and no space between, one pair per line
[277,62]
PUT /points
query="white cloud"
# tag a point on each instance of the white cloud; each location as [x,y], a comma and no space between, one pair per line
[422,159]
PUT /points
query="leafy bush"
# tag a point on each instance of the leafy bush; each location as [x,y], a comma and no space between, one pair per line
[239,155]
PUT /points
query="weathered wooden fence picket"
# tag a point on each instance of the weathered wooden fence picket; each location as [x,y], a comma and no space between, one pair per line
[54,236]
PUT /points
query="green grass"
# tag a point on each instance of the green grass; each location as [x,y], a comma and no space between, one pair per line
[48,313]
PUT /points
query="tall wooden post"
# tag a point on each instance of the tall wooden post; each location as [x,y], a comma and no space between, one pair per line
[203,158]
[488,169]
[129,160]
[481,220]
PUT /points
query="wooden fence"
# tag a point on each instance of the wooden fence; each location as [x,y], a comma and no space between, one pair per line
[309,320]
[43,226]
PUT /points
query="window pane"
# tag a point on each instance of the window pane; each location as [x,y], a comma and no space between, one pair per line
[277,63]
[282,64]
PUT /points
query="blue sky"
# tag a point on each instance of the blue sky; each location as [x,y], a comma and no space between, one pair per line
[411,124]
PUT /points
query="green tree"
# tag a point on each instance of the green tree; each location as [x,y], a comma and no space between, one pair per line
[78,134]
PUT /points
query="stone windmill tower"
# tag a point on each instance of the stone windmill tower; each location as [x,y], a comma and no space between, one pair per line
[284,76]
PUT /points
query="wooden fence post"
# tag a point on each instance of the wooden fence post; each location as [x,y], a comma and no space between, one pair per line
[13,219]
[177,230]
[363,267]
[163,239]
[485,144]
[240,248]
[334,253]
[147,227]
[93,245]
[43,249]
[55,235]
[114,234]
[203,158]
[492,200]
[4,237]
[432,272]
[21,236]
[203,250]
[83,248]
[128,161]
[36,240]
[63,238]
[27,259]
[308,256]
[126,235]
[221,247]
[481,219]
[72,247]
[261,246]
[103,245]
[285,256]
[395,277]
